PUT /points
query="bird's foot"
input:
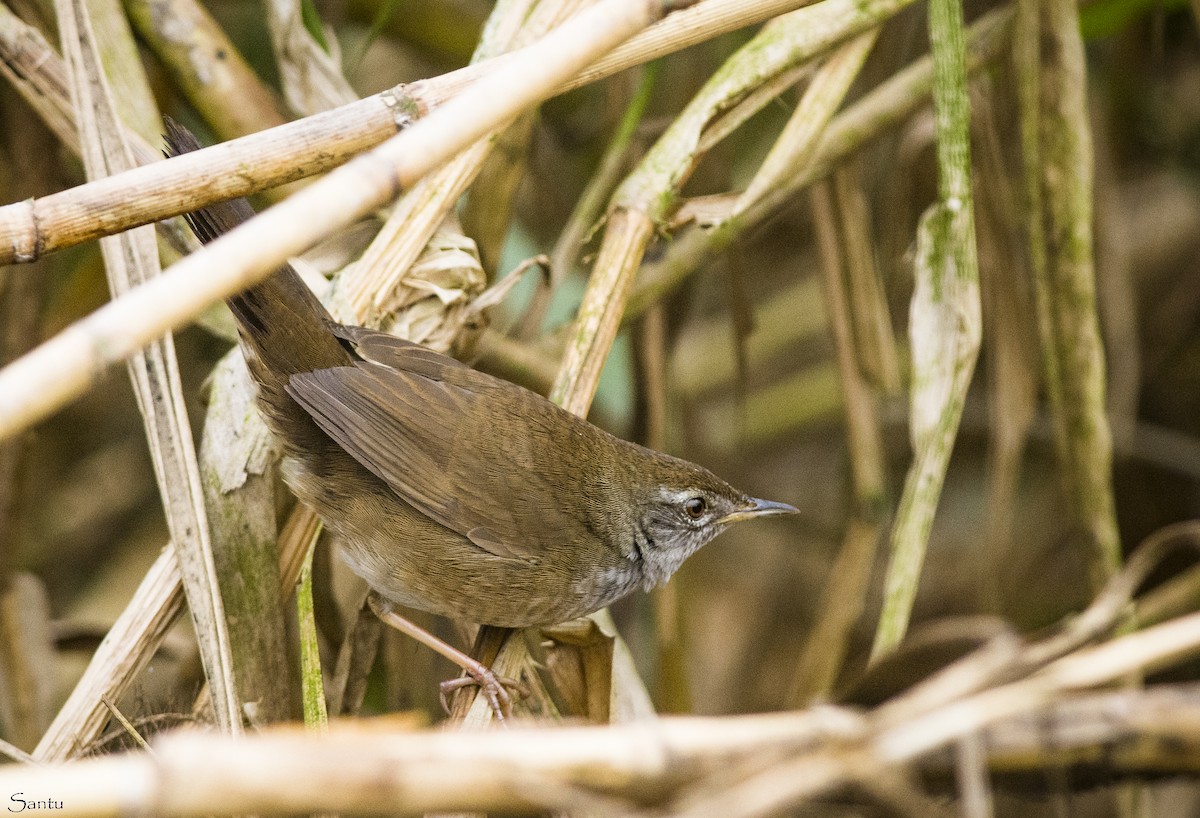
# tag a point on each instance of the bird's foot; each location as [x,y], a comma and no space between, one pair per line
[495,689]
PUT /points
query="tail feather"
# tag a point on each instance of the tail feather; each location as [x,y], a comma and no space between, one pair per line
[284,329]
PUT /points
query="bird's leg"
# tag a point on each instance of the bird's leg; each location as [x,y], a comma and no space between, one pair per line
[494,688]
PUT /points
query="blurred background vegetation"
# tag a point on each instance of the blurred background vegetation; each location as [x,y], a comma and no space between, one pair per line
[737,368]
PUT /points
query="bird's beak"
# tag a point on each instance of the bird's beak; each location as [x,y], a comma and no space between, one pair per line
[758,508]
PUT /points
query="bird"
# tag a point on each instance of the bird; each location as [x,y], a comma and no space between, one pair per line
[452,491]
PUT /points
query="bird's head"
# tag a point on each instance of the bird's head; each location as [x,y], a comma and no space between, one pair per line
[680,507]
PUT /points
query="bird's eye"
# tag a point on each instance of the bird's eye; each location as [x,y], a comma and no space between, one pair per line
[695,507]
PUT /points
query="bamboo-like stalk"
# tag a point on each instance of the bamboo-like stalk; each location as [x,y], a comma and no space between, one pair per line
[65,366]
[318,143]
[945,324]
[39,75]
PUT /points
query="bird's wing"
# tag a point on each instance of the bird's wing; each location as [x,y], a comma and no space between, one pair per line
[452,442]
[390,350]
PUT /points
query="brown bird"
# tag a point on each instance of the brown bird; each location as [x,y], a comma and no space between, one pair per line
[452,491]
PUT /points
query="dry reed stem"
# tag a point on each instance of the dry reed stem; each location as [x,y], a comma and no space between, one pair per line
[600,313]
[792,149]
[39,75]
[130,260]
[312,145]
[1000,660]
[736,766]
[32,67]
[65,366]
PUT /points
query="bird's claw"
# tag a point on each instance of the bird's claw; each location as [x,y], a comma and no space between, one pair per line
[494,688]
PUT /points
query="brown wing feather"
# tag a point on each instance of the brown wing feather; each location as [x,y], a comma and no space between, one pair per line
[416,430]
[389,350]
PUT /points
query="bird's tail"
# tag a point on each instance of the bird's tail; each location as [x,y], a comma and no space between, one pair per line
[284,329]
